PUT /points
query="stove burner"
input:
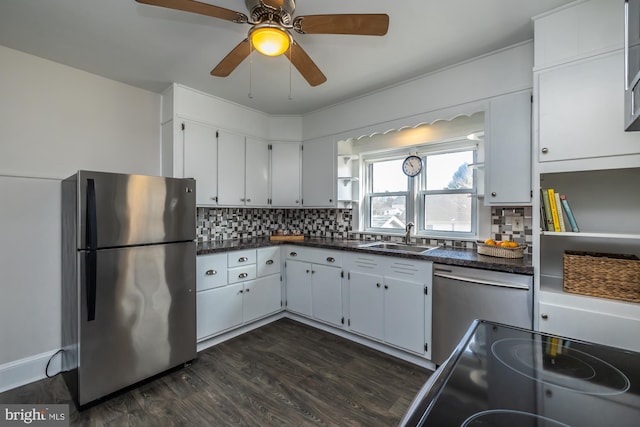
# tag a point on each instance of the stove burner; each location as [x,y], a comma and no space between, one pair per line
[567,368]
[509,418]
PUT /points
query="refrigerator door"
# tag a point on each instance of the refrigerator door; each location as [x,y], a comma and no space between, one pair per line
[126,210]
[137,315]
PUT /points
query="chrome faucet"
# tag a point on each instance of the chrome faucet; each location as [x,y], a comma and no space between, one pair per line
[407,235]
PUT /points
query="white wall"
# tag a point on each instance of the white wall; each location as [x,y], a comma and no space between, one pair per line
[54,120]
[443,92]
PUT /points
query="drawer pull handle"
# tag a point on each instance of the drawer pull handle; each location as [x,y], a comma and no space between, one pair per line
[242,275]
[293,254]
[269,262]
[243,259]
[331,259]
[545,316]
[210,272]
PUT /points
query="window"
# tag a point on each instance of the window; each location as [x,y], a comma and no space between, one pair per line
[441,201]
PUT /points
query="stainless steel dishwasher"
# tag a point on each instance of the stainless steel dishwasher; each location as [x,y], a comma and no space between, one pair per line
[461,295]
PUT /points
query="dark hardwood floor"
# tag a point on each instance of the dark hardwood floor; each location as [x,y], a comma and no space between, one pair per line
[283,374]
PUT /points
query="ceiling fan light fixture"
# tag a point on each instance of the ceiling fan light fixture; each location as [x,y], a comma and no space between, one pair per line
[270,40]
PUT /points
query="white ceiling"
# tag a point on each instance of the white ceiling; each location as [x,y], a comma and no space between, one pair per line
[150,47]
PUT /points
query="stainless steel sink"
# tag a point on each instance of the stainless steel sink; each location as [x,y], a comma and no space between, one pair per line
[398,247]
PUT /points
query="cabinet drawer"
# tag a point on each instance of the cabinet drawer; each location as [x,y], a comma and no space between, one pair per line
[211,271]
[316,256]
[238,258]
[243,273]
[268,261]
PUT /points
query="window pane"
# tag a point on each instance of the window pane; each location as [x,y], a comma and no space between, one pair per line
[448,212]
[388,212]
[387,176]
[449,171]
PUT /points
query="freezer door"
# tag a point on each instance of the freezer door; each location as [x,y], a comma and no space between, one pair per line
[125,210]
[137,315]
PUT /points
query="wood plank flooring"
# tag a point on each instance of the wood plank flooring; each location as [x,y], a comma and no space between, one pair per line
[282,374]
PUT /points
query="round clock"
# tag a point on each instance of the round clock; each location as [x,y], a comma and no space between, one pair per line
[412,165]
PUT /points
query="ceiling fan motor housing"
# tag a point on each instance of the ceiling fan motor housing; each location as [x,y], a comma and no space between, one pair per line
[265,10]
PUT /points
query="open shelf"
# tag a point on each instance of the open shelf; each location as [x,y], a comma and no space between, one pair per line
[585,235]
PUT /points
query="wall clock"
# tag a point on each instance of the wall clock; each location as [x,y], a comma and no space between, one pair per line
[412,166]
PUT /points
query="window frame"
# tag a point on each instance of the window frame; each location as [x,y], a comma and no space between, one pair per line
[416,189]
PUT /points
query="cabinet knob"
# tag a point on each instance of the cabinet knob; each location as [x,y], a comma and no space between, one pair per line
[330,200]
[297,201]
[386,287]
[247,290]
[240,291]
[242,275]
[269,262]
[242,200]
[248,200]
[331,259]
[544,150]
[313,272]
[494,194]
[210,272]
[243,259]
[545,316]
[293,254]
[377,285]
[307,271]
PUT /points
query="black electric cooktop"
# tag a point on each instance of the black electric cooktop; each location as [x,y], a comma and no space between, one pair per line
[505,376]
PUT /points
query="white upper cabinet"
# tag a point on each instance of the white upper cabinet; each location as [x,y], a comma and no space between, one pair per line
[200,160]
[231,167]
[285,174]
[508,150]
[256,173]
[319,173]
[581,110]
[578,30]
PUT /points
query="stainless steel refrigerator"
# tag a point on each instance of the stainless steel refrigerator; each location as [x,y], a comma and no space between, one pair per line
[128,280]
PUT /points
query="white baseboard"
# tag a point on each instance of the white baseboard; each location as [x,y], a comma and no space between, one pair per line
[24,371]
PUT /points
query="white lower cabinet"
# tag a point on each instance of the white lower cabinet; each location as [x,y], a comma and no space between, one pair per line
[261,297]
[390,301]
[250,292]
[314,284]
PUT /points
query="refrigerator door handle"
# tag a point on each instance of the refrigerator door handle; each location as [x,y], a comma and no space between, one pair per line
[91,224]
[91,270]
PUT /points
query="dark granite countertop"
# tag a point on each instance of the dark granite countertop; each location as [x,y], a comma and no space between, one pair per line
[442,255]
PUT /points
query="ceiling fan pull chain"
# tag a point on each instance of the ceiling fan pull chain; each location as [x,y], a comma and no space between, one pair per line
[250,67]
[290,70]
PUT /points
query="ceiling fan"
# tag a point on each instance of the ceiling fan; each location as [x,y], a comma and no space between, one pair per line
[270,33]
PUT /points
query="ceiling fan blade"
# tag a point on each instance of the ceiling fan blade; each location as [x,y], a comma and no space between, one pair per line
[201,8]
[375,24]
[305,65]
[233,59]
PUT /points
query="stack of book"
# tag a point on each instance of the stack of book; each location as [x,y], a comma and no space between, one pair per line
[555,210]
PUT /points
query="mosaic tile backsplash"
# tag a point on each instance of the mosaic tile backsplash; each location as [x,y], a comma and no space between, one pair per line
[245,223]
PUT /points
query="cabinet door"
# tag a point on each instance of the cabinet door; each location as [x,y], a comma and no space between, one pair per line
[508,150]
[285,174]
[319,173]
[256,191]
[230,169]
[218,309]
[366,304]
[298,276]
[581,111]
[404,314]
[261,297]
[326,284]
[200,160]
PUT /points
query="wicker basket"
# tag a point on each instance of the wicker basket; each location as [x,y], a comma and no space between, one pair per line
[501,252]
[601,275]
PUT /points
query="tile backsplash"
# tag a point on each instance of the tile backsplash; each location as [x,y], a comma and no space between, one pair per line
[247,223]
